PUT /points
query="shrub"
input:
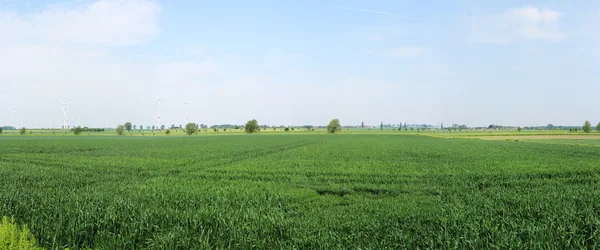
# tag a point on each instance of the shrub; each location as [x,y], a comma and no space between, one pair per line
[77,130]
[14,237]
[519,129]
[587,127]
[251,126]
[286,129]
[191,128]
[22,131]
[334,126]
[168,132]
[120,129]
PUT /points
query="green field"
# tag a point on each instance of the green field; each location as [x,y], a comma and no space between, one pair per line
[305,190]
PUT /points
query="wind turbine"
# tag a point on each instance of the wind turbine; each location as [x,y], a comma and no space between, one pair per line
[12,115]
[185,110]
[65,110]
[158,109]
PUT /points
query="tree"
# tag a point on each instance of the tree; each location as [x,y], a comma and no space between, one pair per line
[0,130]
[22,131]
[519,129]
[362,125]
[120,129]
[153,127]
[334,126]
[77,130]
[597,128]
[162,127]
[168,131]
[134,127]
[251,126]
[587,127]
[191,128]
[550,127]
[381,126]
[128,126]
[141,127]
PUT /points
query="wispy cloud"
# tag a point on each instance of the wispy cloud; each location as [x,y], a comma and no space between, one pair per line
[365,10]
[525,24]
[375,37]
[103,22]
[406,52]
[376,12]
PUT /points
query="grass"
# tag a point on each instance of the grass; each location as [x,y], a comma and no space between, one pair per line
[301,191]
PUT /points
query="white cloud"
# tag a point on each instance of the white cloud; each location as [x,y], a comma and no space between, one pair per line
[406,52]
[104,22]
[520,24]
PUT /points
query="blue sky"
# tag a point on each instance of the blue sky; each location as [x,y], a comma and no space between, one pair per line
[300,62]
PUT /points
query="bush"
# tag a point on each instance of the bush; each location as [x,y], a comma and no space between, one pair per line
[519,129]
[22,131]
[286,129]
[14,237]
[587,127]
[334,126]
[77,130]
[191,128]
[120,129]
[251,126]
[168,131]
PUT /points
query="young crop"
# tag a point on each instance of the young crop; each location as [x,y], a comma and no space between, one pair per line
[303,190]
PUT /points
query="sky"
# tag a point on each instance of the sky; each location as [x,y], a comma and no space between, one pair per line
[300,62]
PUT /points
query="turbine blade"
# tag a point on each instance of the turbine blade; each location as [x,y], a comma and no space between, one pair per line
[155,95]
[61,100]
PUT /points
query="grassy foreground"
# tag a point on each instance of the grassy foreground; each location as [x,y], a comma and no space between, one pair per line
[312,191]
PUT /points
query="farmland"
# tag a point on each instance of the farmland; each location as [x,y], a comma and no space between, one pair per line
[304,190]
